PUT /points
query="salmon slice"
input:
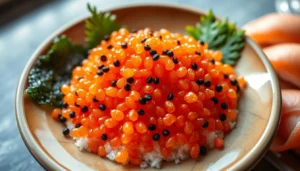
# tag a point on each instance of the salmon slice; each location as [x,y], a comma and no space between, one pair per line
[286,59]
[275,28]
[288,134]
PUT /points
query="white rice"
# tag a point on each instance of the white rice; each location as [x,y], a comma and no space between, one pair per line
[154,158]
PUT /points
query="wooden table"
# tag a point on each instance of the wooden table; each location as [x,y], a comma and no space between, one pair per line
[25,25]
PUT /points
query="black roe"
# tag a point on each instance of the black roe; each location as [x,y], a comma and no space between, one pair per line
[166,132]
[200,81]
[103,58]
[66,131]
[72,114]
[116,63]
[148,97]
[215,100]
[175,60]
[155,57]
[84,109]
[114,83]
[170,96]
[105,69]
[224,106]
[205,124]
[222,117]
[104,137]
[141,112]
[124,45]
[194,66]
[207,83]
[127,87]
[219,88]
[203,151]
[156,80]
[142,101]
[152,127]
[130,80]
[102,107]
[149,80]
[156,137]
[147,47]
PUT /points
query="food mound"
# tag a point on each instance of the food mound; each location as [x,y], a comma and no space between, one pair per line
[142,97]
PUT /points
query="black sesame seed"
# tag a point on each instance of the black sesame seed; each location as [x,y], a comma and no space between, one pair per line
[65,105]
[203,150]
[156,80]
[160,37]
[200,81]
[155,57]
[201,42]
[198,53]
[205,124]
[84,109]
[151,34]
[170,53]
[222,117]
[133,30]
[147,47]
[114,83]
[166,132]
[100,72]
[100,66]
[106,37]
[149,80]
[224,106]
[219,88]
[152,52]
[238,88]
[151,127]
[170,96]
[148,97]
[165,52]
[105,69]
[127,87]
[143,40]
[78,125]
[194,66]
[109,47]
[226,76]
[141,112]
[215,100]
[77,105]
[178,43]
[233,82]
[156,137]
[142,101]
[72,114]
[130,80]
[62,119]
[124,45]
[175,60]
[66,131]
[207,83]
[212,60]
[116,63]
[103,58]
[102,107]
[104,137]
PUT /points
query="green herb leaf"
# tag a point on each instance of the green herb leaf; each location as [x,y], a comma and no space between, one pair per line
[52,70]
[219,35]
[99,25]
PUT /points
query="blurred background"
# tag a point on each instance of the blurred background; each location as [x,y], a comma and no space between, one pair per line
[25,24]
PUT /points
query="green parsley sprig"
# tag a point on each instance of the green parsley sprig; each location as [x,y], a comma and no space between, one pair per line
[219,35]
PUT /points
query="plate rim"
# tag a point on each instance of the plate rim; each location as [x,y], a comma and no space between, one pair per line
[46,161]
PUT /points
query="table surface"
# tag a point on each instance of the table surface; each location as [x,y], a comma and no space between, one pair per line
[24,27]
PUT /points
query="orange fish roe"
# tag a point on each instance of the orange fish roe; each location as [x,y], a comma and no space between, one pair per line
[152,91]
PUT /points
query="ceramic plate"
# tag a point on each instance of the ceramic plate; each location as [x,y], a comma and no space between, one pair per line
[259,105]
